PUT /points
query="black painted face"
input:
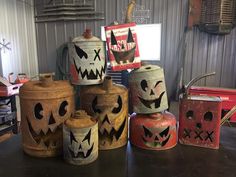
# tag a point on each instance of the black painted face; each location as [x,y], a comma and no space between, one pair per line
[154,139]
[46,131]
[151,94]
[196,129]
[90,64]
[108,128]
[122,51]
[81,149]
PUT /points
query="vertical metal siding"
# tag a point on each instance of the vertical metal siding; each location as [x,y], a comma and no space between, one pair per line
[18,28]
[197,52]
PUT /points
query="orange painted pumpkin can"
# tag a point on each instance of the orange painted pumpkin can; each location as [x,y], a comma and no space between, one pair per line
[154,131]
[45,105]
[80,139]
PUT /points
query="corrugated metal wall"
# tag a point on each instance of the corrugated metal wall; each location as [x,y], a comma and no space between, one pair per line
[197,52]
[17,27]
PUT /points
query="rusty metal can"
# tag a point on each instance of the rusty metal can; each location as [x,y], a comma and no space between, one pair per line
[154,131]
[199,121]
[148,90]
[109,104]
[80,139]
[87,59]
[45,105]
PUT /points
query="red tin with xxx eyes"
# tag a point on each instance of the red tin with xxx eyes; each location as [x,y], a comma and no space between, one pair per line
[199,121]
[154,131]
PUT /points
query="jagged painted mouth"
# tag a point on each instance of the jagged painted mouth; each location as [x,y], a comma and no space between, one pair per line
[113,134]
[156,143]
[80,153]
[124,56]
[159,140]
[48,139]
[156,102]
[91,74]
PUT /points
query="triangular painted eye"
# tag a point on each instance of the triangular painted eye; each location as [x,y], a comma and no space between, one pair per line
[130,37]
[118,109]
[72,138]
[147,132]
[165,132]
[80,52]
[113,39]
[87,137]
[94,105]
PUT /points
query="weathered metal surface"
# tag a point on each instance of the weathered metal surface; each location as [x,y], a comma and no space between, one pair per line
[228,97]
[148,90]
[80,139]
[66,11]
[45,105]
[198,52]
[153,131]
[18,28]
[109,104]
[87,59]
[122,43]
[194,12]
[218,16]
[199,121]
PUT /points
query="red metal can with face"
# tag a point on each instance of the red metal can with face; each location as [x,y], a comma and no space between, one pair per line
[153,131]
[199,121]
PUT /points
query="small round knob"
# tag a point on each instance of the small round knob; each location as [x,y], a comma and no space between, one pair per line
[46,79]
[88,34]
[107,83]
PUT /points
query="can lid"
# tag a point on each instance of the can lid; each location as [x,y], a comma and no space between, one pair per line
[147,72]
[108,87]
[86,37]
[146,68]
[203,98]
[80,120]
[46,87]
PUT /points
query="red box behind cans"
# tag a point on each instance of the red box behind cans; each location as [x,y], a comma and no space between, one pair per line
[122,46]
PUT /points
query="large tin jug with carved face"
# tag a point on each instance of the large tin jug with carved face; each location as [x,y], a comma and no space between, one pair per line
[87,59]
[45,105]
[108,103]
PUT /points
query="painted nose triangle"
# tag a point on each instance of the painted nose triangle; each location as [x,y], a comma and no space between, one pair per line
[51,120]
[152,93]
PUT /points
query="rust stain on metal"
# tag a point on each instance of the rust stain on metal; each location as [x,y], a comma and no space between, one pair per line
[109,104]
[80,139]
[153,131]
[45,105]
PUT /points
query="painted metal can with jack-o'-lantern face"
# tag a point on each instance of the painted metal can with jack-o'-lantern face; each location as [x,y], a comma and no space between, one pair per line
[154,131]
[108,103]
[148,90]
[87,59]
[80,139]
[45,105]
